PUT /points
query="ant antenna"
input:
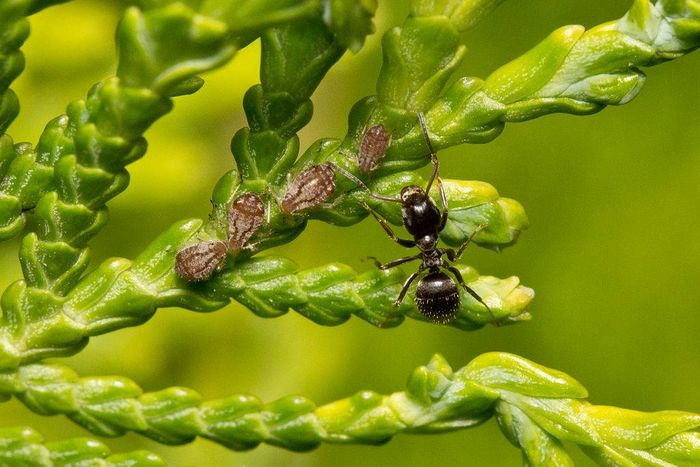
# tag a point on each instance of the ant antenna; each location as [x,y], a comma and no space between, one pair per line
[433,155]
[362,185]
[424,127]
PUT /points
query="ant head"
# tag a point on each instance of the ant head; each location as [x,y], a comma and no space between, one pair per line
[411,191]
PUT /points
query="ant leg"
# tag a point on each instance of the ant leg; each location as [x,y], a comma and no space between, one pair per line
[362,184]
[406,286]
[443,198]
[454,256]
[393,264]
[469,290]
[387,229]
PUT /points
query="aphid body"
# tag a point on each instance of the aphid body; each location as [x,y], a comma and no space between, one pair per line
[310,188]
[198,262]
[373,146]
[245,216]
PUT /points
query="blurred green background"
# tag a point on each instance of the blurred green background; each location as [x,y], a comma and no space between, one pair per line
[613,250]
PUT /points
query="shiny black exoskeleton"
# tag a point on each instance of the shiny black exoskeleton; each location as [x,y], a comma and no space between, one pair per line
[437,293]
[437,297]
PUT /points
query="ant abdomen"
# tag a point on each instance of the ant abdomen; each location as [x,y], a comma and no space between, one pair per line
[437,297]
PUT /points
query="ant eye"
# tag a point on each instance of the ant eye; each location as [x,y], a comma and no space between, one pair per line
[198,262]
[312,187]
[374,144]
[245,216]
[408,191]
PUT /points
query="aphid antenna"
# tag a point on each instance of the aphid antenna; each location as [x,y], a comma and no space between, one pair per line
[362,185]
[269,208]
[272,195]
[369,119]
[346,153]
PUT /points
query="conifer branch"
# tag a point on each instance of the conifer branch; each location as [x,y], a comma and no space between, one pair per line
[536,407]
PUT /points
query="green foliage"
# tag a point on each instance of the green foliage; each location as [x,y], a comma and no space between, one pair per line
[24,446]
[79,164]
[536,407]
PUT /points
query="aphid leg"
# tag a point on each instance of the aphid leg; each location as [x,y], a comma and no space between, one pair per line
[346,153]
[387,229]
[362,185]
[393,264]
[454,256]
[251,246]
[406,286]
[334,203]
[470,291]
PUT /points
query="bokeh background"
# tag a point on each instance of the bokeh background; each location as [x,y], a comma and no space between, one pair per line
[613,250]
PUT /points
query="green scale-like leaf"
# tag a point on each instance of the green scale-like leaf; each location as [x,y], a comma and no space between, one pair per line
[26,447]
[537,408]
[78,165]
[120,293]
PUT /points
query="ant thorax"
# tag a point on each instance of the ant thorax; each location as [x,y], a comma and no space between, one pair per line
[432,259]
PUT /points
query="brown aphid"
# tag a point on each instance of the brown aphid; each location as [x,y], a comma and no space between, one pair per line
[374,144]
[312,187]
[245,216]
[198,262]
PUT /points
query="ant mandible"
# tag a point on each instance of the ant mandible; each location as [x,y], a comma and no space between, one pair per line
[437,295]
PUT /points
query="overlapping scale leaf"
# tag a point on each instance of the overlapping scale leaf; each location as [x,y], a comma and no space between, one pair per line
[160,48]
[329,295]
[538,409]
[350,20]
[24,446]
[463,13]
[78,165]
[572,71]
[14,29]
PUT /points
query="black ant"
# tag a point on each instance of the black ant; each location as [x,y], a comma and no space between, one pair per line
[437,295]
